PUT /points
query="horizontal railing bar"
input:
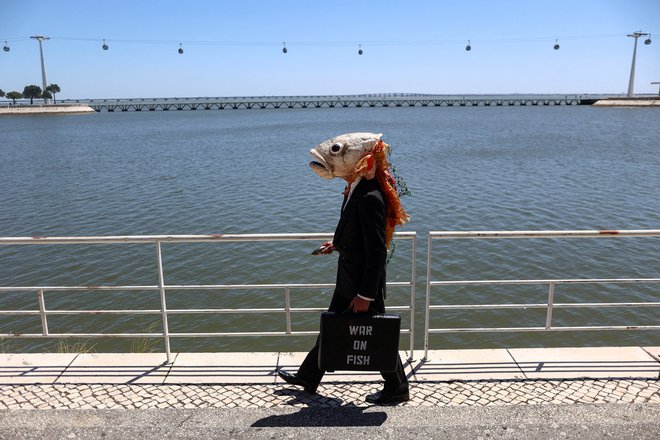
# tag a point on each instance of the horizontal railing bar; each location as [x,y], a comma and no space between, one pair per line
[541,329]
[220,311]
[80,335]
[325,309]
[135,239]
[270,286]
[137,312]
[248,286]
[322,309]
[214,334]
[539,306]
[159,335]
[63,288]
[548,281]
[271,310]
[179,238]
[595,305]
[283,333]
[187,287]
[545,234]
[486,306]
[322,236]
[175,311]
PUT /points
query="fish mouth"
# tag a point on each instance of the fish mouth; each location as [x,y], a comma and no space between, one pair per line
[320,166]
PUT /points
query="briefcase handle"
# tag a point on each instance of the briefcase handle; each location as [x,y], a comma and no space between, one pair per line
[367,314]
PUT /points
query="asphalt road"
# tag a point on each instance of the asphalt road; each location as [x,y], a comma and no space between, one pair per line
[616,421]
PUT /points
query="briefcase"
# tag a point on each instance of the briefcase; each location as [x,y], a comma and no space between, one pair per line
[359,342]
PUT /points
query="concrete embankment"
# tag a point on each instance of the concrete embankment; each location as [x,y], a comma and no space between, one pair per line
[445,377]
[45,109]
[514,393]
[628,102]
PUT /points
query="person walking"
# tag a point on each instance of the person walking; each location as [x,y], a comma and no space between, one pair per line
[369,213]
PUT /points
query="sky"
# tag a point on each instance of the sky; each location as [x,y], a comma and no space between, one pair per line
[234,48]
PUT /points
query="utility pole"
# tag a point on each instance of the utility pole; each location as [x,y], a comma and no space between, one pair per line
[631,83]
[41,38]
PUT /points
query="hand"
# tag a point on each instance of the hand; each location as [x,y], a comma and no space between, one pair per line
[359,305]
[327,248]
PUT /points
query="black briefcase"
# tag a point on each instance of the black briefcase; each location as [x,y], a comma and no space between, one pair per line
[359,342]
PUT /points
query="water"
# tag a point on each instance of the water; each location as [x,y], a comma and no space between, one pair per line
[245,171]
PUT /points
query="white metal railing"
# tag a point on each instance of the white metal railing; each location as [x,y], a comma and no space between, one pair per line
[551,283]
[162,287]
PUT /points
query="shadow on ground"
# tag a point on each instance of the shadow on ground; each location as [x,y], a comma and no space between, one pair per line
[319,416]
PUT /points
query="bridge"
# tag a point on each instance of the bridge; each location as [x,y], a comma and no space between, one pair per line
[330,101]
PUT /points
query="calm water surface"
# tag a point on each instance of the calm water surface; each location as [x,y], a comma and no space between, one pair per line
[245,171]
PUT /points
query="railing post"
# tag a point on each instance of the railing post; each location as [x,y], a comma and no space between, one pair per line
[287,308]
[428,300]
[413,277]
[551,301]
[42,312]
[163,303]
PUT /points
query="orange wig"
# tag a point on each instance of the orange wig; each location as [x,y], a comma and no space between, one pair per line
[376,165]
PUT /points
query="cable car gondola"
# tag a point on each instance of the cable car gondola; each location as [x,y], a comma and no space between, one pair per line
[647,41]
[6,48]
[180,49]
[105,46]
[360,49]
[284,49]
[556,46]
[468,47]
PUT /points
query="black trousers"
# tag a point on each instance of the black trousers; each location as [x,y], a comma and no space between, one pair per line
[395,381]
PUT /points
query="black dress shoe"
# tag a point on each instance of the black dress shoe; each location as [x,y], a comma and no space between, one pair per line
[383,398]
[293,379]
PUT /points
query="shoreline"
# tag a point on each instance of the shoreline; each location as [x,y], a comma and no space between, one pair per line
[628,102]
[46,109]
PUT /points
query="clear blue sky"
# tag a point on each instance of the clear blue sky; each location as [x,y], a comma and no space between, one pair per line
[409,46]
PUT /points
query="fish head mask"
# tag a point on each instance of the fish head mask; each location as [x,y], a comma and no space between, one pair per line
[339,156]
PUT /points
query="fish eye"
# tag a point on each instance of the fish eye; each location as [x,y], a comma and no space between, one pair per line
[335,148]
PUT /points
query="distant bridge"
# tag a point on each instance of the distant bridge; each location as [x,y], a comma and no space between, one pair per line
[347,101]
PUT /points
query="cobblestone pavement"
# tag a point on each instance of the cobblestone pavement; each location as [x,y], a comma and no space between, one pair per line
[341,394]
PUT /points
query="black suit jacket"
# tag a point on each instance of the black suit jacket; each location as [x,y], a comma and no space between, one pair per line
[360,241]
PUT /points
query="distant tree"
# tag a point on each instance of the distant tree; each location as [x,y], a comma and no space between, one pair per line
[14,96]
[2,93]
[30,92]
[53,88]
[46,95]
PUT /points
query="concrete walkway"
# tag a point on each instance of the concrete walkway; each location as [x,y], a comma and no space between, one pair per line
[249,380]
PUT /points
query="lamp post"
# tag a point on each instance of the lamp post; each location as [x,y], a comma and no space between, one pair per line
[631,83]
[41,38]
